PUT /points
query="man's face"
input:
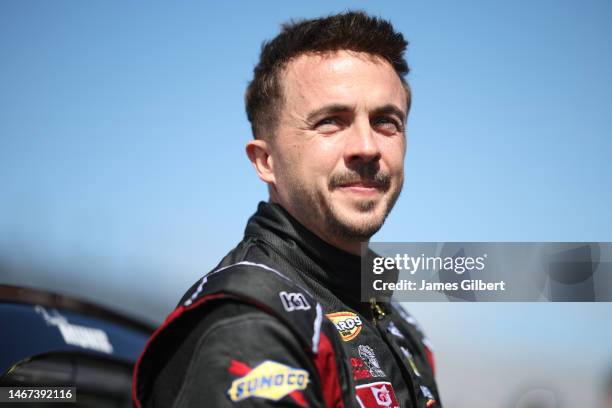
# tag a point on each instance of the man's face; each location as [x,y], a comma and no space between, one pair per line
[338,151]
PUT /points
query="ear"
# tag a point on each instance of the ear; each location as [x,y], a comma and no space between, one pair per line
[259,153]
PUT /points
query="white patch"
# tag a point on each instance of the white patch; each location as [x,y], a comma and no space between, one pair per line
[395,331]
[427,393]
[369,358]
[294,301]
[75,335]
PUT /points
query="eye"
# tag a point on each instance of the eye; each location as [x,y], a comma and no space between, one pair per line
[387,125]
[328,125]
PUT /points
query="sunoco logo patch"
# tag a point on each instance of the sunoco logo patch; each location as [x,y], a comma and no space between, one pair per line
[269,380]
[348,324]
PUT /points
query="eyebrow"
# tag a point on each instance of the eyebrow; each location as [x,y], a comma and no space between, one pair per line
[331,109]
[390,109]
[336,108]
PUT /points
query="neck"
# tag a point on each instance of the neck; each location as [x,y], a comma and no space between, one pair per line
[351,246]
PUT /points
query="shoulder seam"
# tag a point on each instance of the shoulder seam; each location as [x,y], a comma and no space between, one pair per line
[203,281]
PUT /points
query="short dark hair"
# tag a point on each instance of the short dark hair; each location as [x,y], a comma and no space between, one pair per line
[352,30]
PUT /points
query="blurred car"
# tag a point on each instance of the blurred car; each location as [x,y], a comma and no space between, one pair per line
[52,340]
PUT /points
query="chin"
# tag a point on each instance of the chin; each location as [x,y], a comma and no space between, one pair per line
[358,222]
[365,208]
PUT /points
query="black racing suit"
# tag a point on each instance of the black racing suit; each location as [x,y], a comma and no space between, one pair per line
[279,322]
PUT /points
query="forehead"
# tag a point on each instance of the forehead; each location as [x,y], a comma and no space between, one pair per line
[343,77]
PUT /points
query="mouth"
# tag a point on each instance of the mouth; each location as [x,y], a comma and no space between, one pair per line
[362,187]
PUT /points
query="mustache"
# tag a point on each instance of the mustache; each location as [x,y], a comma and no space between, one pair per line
[379,179]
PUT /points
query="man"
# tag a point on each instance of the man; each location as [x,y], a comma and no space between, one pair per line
[280,321]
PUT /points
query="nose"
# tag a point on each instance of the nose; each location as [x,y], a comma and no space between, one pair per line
[361,145]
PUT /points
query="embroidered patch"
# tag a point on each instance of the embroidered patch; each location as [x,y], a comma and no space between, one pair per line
[392,328]
[360,369]
[348,324]
[268,380]
[368,356]
[429,396]
[376,395]
[293,301]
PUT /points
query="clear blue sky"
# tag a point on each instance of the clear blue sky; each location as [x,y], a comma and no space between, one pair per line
[122,133]
[122,126]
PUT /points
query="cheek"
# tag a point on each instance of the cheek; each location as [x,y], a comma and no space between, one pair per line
[394,152]
[310,162]
[301,168]
[321,158]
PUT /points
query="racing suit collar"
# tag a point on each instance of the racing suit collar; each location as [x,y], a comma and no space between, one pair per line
[331,267]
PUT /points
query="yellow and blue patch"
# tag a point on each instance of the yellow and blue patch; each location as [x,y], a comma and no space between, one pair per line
[269,380]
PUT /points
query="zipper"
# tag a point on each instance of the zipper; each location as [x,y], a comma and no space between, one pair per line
[378,313]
